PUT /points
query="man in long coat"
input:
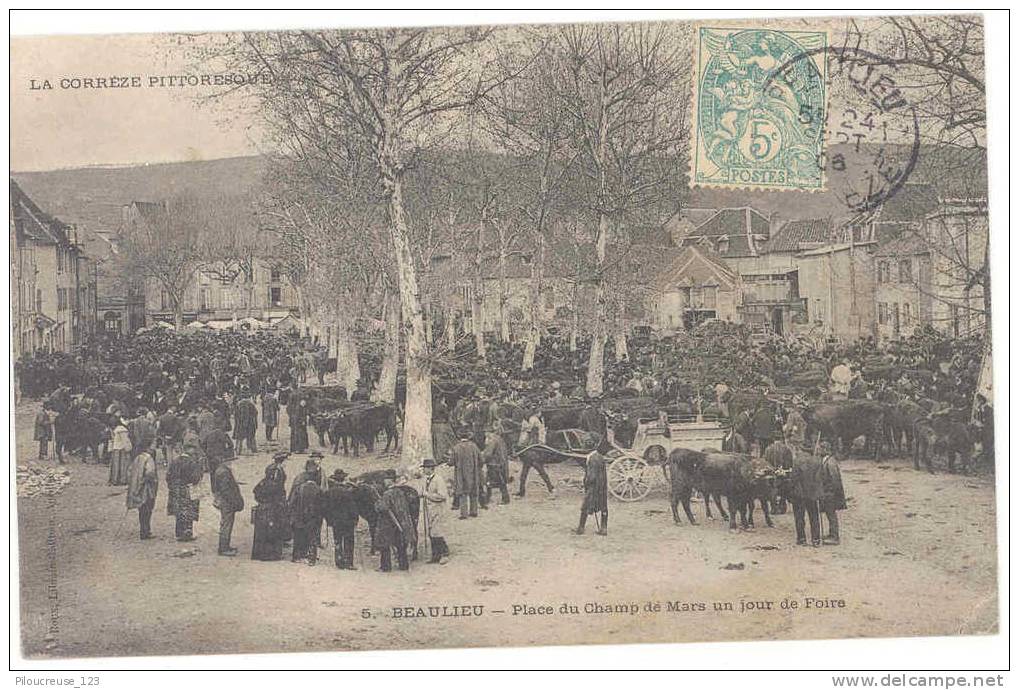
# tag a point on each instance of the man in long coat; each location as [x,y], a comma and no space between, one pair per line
[142,430]
[466,461]
[270,414]
[305,518]
[496,460]
[142,487]
[339,509]
[393,528]
[764,427]
[43,432]
[833,494]
[596,493]
[297,414]
[226,496]
[804,487]
[435,494]
[217,447]
[245,423]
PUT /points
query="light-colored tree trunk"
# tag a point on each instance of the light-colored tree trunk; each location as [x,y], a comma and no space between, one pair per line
[450,330]
[477,318]
[178,314]
[385,391]
[530,349]
[417,429]
[504,326]
[596,361]
[622,351]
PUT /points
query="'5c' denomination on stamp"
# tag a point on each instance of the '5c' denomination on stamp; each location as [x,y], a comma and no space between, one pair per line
[759,114]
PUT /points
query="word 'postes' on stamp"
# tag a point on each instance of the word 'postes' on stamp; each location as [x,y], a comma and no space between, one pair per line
[759,114]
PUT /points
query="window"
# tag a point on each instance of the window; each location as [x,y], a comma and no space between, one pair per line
[882,313]
[204,299]
[905,271]
[907,313]
[60,260]
[164,300]
[882,272]
[276,296]
[275,274]
[710,297]
[38,301]
[895,318]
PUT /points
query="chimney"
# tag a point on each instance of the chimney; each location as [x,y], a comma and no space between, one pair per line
[125,215]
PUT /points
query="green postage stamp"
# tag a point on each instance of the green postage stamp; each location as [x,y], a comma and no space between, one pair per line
[760,100]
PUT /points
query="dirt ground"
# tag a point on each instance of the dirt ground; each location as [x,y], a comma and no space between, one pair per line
[917,558]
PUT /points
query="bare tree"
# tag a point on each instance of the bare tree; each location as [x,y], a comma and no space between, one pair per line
[624,88]
[163,247]
[526,122]
[380,96]
[938,64]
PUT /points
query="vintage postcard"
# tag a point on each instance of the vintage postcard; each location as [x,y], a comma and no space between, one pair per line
[583,333]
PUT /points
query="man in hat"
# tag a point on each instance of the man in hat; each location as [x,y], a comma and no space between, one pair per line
[833,498]
[297,414]
[339,509]
[142,486]
[596,493]
[435,494]
[394,526]
[304,511]
[218,447]
[245,422]
[226,497]
[270,413]
[795,427]
[496,460]
[466,461]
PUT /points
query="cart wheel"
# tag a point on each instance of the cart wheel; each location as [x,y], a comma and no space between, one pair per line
[629,479]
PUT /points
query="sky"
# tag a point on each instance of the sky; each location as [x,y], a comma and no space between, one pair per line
[68,127]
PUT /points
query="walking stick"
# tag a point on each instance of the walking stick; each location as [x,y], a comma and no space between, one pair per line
[428,528]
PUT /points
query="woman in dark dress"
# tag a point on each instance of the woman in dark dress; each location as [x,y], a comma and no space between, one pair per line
[270,514]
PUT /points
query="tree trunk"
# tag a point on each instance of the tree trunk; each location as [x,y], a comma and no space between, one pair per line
[504,329]
[385,391]
[178,314]
[450,330]
[417,429]
[622,351]
[477,317]
[530,349]
[596,360]
[348,369]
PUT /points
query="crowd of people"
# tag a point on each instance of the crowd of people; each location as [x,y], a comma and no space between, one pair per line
[191,402]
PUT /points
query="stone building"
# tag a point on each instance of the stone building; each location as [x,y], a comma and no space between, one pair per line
[694,287]
[53,279]
[228,289]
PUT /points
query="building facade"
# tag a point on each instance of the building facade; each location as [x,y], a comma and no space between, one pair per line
[53,281]
[251,286]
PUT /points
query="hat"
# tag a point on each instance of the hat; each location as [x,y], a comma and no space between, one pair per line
[429,462]
[338,476]
[316,454]
[280,456]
